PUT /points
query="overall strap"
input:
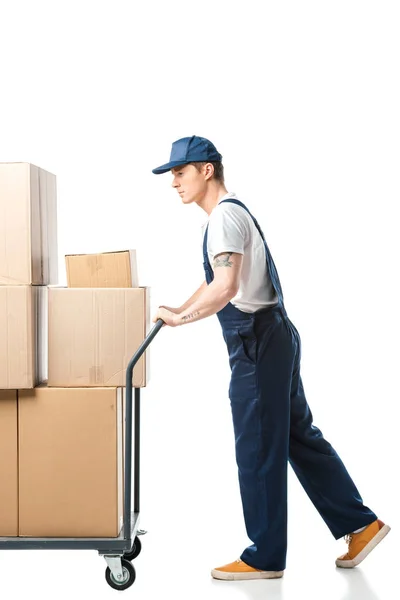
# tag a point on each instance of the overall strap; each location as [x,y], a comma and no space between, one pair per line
[271,265]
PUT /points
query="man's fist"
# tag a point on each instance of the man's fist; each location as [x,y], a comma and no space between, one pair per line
[168,315]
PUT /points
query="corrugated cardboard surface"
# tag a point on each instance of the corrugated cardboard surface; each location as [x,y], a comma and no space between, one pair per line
[93,334]
[70,450]
[8,464]
[110,269]
[22,349]
[45,268]
[28,225]
[40,296]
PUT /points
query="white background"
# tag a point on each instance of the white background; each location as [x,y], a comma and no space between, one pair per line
[302,100]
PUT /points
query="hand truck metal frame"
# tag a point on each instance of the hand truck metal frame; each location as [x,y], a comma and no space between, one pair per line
[119,551]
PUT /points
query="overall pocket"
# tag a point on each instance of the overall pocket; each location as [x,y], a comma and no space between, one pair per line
[249,341]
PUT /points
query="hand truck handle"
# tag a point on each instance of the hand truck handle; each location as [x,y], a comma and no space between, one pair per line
[128,434]
[140,351]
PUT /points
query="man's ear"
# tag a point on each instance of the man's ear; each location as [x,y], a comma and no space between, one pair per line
[208,170]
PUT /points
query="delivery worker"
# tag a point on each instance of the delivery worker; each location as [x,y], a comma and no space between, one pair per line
[271,418]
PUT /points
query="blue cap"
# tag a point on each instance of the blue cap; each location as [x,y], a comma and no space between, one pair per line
[190,149]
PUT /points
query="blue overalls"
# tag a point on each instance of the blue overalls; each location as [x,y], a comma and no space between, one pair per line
[272,425]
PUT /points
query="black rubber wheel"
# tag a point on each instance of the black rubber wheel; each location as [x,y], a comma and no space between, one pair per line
[136,549]
[129,576]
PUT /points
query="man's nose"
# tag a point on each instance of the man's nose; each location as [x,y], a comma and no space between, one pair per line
[174,183]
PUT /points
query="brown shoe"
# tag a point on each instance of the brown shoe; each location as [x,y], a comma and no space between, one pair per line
[361,544]
[240,570]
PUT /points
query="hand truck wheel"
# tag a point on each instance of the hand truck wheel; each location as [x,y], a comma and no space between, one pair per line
[129,576]
[136,549]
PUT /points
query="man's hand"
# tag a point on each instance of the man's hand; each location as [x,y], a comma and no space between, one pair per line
[168,315]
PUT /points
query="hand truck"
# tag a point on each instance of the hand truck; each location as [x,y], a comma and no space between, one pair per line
[119,551]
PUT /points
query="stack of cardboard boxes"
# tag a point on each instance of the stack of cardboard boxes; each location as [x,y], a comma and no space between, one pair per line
[63,356]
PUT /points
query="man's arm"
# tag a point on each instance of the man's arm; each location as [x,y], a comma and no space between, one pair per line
[193,298]
[209,299]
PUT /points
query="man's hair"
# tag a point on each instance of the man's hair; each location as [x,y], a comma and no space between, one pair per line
[218,169]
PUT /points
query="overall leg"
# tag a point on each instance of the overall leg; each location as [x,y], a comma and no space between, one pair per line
[260,403]
[319,468]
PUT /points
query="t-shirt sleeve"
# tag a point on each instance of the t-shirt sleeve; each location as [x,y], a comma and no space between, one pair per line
[227,231]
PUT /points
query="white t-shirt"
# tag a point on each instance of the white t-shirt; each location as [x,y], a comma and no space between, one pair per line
[231,229]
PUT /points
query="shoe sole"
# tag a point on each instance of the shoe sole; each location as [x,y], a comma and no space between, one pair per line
[349,564]
[253,575]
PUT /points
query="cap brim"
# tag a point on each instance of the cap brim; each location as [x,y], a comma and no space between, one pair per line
[167,167]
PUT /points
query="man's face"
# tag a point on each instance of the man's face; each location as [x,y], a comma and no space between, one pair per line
[189,183]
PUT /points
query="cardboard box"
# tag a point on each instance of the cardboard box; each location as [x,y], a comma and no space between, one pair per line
[23,336]
[93,334]
[28,225]
[110,269]
[70,462]
[8,464]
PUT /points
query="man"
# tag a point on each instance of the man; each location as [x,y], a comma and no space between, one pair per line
[271,418]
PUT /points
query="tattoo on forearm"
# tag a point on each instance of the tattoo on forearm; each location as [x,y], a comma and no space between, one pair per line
[190,316]
[223,260]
